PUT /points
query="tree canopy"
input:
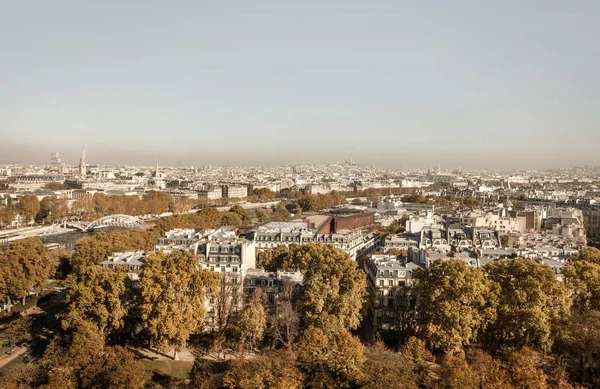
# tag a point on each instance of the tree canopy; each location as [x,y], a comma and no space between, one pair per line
[173,289]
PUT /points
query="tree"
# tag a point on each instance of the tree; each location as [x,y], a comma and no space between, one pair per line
[7,215]
[384,369]
[533,308]
[454,304]
[332,361]
[273,369]
[157,202]
[524,371]
[27,265]
[334,289]
[285,323]
[117,368]
[582,343]
[19,330]
[240,211]
[253,320]
[227,300]
[261,216]
[231,219]
[29,206]
[91,250]
[275,259]
[96,294]
[59,209]
[583,278]
[172,290]
[588,254]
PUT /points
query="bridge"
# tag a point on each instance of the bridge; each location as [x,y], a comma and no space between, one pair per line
[123,221]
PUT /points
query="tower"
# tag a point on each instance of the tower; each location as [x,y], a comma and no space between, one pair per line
[82,166]
[156,174]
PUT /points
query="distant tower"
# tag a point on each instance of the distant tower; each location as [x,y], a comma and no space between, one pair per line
[55,159]
[82,166]
[156,174]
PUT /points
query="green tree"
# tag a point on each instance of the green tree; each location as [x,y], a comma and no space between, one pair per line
[96,294]
[172,289]
[533,309]
[454,304]
[29,206]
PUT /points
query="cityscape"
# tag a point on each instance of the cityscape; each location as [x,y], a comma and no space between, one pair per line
[281,195]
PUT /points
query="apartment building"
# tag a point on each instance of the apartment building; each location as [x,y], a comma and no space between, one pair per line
[133,260]
[389,278]
[356,243]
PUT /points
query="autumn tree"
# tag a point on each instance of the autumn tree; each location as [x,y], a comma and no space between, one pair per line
[334,288]
[454,304]
[29,206]
[240,211]
[157,202]
[91,250]
[533,308]
[231,219]
[253,320]
[17,331]
[582,344]
[96,294]
[583,278]
[285,322]
[384,368]
[275,259]
[524,370]
[272,369]
[27,265]
[587,254]
[172,289]
[7,215]
[330,361]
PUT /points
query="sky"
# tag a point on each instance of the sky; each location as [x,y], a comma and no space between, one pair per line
[470,83]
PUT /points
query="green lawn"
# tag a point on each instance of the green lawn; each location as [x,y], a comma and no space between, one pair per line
[177,369]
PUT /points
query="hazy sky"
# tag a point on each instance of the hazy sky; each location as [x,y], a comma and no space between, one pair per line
[391,83]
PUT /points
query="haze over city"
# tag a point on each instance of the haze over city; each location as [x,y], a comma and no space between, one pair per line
[388,83]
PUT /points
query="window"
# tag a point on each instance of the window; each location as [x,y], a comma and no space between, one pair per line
[381,292]
[235,269]
[223,269]
[390,282]
[271,298]
[252,281]
[381,283]
[212,268]
[381,300]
